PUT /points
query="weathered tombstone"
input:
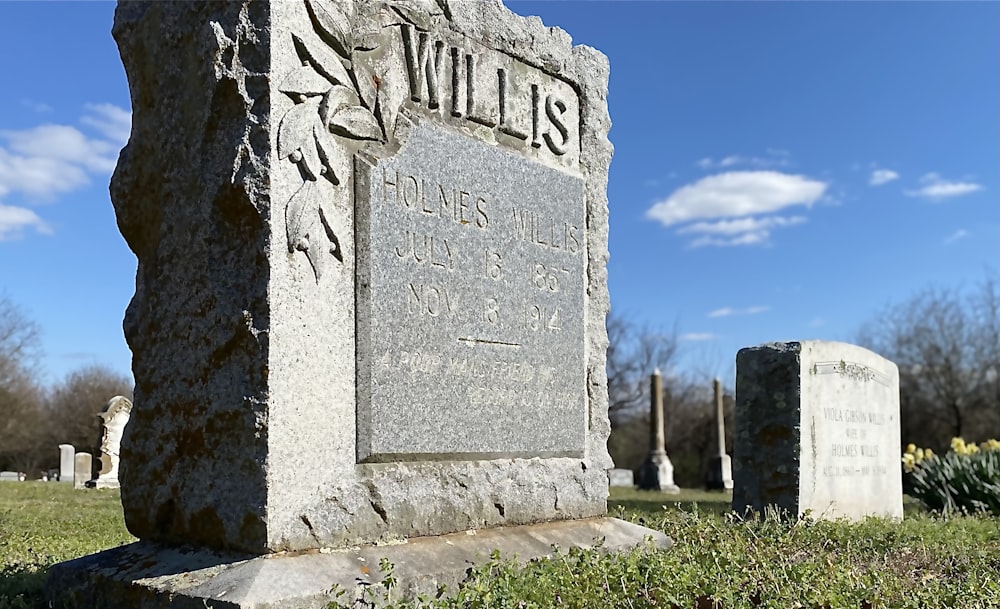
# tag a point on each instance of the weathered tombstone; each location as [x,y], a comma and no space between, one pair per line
[10,477]
[67,464]
[817,431]
[657,472]
[115,416]
[83,469]
[621,477]
[720,467]
[370,235]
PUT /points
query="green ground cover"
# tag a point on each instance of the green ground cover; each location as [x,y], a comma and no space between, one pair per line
[924,561]
[42,523]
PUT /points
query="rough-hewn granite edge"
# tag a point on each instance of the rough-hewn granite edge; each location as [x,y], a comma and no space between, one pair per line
[191,195]
[768,424]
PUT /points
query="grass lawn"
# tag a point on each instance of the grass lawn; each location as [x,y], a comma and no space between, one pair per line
[923,561]
[42,523]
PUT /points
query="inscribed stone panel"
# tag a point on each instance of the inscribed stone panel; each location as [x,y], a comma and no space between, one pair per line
[470,303]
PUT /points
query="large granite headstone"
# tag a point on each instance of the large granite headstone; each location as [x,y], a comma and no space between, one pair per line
[371,236]
[817,431]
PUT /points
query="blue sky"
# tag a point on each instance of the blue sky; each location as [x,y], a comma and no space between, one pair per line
[782,170]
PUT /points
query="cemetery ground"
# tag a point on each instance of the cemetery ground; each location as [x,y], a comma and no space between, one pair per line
[717,560]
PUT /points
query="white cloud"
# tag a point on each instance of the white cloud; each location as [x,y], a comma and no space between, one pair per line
[956,236]
[111,121]
[698,336]
[729,311]
[758,238]
[937,188]
[36,106]
[775,158]
[38,176]
[736,194]
[882,176]
[62,143]
[741,225]
[723,312]
[50,159]
[13,220]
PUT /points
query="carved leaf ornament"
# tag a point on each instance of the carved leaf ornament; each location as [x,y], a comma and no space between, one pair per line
[335,97]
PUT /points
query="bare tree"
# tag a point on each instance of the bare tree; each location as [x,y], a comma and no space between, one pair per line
[21,398]
[633,353]
[946,343]
[19,343]
[22,404]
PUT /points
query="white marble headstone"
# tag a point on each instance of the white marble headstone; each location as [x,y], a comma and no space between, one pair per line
[817,431]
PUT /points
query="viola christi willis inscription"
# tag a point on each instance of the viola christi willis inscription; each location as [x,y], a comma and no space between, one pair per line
[471,286]
[856,430]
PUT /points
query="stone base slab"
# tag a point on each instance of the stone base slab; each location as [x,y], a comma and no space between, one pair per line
[103,483]
[145,575]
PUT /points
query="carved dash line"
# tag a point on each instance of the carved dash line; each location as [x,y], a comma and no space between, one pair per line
[485,341]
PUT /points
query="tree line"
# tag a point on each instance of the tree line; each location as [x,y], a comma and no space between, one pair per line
[945,342]
[35,419]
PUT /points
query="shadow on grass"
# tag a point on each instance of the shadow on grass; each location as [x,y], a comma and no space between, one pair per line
[21,588]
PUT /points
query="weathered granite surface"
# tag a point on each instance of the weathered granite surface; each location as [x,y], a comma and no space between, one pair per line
[471,339]
[238,194]
[817,431]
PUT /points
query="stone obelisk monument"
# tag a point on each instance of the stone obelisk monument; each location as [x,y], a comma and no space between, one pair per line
[657,472]
[720,468]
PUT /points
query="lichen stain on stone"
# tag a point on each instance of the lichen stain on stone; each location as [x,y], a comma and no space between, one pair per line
[166,518]
[191,441]
[205,525]
[253,531]
[774,435]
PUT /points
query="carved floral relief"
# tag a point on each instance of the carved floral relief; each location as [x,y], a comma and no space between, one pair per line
[341,98]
